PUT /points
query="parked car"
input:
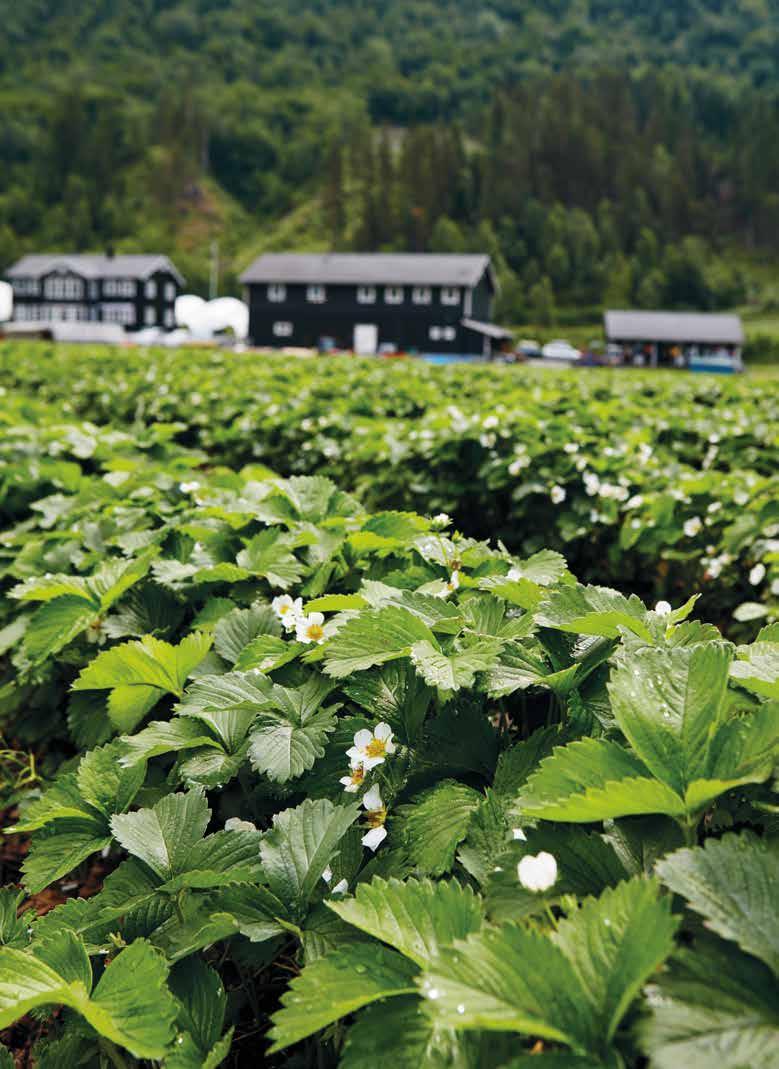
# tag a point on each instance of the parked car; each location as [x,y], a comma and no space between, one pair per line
[529,348]
[559,349]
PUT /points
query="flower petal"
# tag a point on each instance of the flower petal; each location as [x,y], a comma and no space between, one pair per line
[374,838]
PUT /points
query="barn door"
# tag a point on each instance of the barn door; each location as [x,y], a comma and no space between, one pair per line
[366,338]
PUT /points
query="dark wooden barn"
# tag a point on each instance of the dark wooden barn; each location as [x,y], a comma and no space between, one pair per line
[134,291]
[371,302]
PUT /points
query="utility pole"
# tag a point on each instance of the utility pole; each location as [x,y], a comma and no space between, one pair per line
[213,282]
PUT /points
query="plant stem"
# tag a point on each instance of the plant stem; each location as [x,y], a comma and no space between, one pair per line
[113,1053]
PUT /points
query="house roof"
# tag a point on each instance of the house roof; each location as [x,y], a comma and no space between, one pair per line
[680,327]
[93,265]
[384,269]
[489,329]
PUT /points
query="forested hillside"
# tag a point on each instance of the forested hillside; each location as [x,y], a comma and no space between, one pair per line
[602,150]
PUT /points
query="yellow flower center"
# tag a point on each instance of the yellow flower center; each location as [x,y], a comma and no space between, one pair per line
[315,632]
[376,817]
[283,609]
[376,748]
[358,774]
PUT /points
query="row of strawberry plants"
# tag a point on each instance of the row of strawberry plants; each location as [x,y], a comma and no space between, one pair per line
[361,783]
[653,482]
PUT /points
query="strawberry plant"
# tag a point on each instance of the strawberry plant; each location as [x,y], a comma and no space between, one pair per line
[653,482]
[357,782]
[298,776]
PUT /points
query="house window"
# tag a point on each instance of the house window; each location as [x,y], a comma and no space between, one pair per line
[422,295]
[169,318]
[282,329]
[366,294]
[316,294]
[150,315]
[25,287]
[94,291]
[277,293]
[393,294]
[118,313]
[151,290]
[63,288]
[118,287]
[442,333]
[450,295]
[170,291]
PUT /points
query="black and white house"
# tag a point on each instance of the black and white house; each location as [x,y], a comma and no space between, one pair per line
[134,291]
[429,303]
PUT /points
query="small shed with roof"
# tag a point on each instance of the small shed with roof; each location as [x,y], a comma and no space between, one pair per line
[701,341]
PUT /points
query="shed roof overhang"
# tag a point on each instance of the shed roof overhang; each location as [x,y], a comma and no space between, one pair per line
[683,328]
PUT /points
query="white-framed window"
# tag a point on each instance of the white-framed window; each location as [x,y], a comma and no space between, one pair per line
[150,315]
[421,295]
[63,288]
[443,333]
[277,292]
[393,294]
[118,287]
[450,295]
[58,313]
[25,287]
[169,318]
[316,294]
[150,289]
[282,329]
[366,294]
[170,291]
[94,291]
[121,312]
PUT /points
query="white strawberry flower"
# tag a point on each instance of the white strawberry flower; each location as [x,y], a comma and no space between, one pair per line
[557,494]
[519,833]
[287,610]
[376,814]
[310,628]
[327,875]
[371,747]
[341,888]
[537,872]
[441,521]
[189,487]
[353,782]
[663,608]
[693,526]
[757,574]
[236,824]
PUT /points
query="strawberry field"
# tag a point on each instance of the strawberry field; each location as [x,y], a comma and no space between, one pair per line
[356,711]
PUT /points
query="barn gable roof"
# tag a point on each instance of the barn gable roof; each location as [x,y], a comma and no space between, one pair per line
[680,327]
[93,265]
[359,269]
